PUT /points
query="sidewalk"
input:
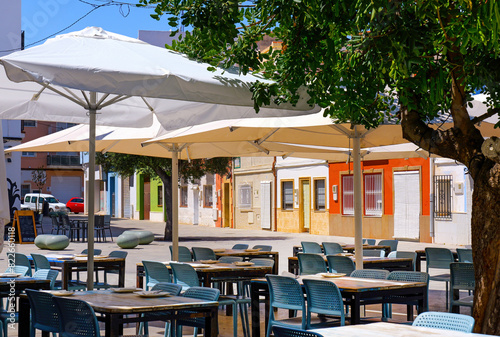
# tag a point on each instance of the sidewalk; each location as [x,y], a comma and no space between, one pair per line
[216,238]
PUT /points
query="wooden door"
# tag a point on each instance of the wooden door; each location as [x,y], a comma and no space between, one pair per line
[305,204]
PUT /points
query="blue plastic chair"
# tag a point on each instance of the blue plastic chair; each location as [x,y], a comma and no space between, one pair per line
[281,331]
[439,258]
[370,242]
[323,298]
[462,278]
[76,318]
[185,254]
[185,275]
[392,243]
[156,272]
[47,274]
[23,270]
[374,252]
[409,276]
[311,264]
[203,253]
[311,247]
[116,254]
[22,260]
[230,259]
[464,255]
[44,315]
[40,261]
[404,255]
[332,248]
[285,293]
[380,274]
[202,293]
[445,321]
[340,264]
[240,246]
[263,248]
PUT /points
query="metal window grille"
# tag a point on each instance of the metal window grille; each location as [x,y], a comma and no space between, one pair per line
[207,196]
[245,196]
[373,194]
[319,194]
[184,196]
[442,197]
[348,195]
[160,195]
[287,194]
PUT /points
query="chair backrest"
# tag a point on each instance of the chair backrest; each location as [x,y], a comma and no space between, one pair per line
[439,258]
[263,248]
[404,255]
[46,274]
[65,220]
[311,264]
[230,259]
[118,254]
[462,276]
[263,262]
[107,220]
[323,297]
[55,222]
[391,243]
[285,293]
[282,331]
[96,251]
[185,275]
[410,276]
[311,247]
[76,318]
[22,260]
[464,255]
[202,293]
[43,311]
[332,248]
[38,219]
[240,246]
[98,221]
[184,253]
[374,252]
[445,320]
[370,242]
[172,288]
[371,273]
[40,261]
[23,270]
[340,264]
[203,253]
[156,272]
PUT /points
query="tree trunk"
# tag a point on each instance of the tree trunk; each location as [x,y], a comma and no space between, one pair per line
[486,249]
[167,211]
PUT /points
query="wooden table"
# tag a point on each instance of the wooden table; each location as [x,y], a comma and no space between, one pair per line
[369,262]
[114,307]
[208,272]
[355,291]
[389,330]
[421,257]
[248,255]
[68,263]
[348,248]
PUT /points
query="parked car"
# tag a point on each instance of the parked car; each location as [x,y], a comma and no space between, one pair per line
[31,199]
[75,205]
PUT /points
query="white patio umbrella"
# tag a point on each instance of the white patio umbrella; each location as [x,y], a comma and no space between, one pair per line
[312,130]
[4,198]
[125,80]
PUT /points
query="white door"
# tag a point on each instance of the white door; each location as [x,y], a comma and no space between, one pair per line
[407,205]
[196,207]
[265,204]
[65,188]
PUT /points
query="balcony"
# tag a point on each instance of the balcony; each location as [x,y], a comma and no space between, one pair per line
[63,160]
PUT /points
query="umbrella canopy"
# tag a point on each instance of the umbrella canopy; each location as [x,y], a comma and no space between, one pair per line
[96,69]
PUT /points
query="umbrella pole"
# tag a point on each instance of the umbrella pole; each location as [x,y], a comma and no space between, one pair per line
[91,203]
[175,204]
[358,216]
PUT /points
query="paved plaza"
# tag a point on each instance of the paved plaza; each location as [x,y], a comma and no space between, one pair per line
[222,238]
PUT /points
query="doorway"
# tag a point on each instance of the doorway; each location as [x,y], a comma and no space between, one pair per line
[147,198]
[305,204]
[226,206]
[407,205]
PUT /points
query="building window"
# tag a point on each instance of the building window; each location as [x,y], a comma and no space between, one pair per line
[287,195]
[160,195]
[25,189]
[184,196]
[373,194]
[319,195]
[28,154]
[27,123]
[442,197]
[347,195]
[245,198]
[207,196]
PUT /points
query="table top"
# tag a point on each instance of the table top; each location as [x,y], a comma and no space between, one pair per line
[388,330]
[21,280]
[242,252]
[106,301]
[369,259]
[355,284]
[79,258]
[218,267]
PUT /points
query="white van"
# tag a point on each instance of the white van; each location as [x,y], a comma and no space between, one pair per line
[30,200]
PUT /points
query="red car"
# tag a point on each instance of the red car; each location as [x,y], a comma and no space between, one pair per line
[75,205]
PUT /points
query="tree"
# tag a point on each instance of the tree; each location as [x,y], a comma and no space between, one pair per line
[39,178]
[429,57]
[126,165]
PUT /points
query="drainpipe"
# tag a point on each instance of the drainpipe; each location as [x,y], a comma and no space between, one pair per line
[275,196]
[431,201]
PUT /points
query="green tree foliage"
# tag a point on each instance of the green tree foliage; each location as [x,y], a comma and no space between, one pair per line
[154,167]
[358,58]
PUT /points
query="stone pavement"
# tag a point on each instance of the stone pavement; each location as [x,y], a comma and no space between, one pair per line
[218,238]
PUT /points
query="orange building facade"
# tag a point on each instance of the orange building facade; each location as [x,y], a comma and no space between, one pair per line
[396,199]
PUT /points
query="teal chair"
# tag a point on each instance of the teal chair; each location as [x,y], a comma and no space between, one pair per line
[285,293]
[156,272]
[202,293]
[22,260]
[464,255]
[340,264]
[230,259]
[332,248]
[404,255]
[311,247]
[184,254]
[391,243]
[407,276]
[40,261]
[76,318]
[445,321]
[323,298]
[185,275]
[380,274]
[462,278]
[311,264]
[263,248]
[44,315]
[374,252]
[439,258]
[105,284]
[203,253]
[240,246]
[281,331]
[370,242]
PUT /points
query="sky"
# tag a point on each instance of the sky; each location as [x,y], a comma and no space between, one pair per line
[43,18]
